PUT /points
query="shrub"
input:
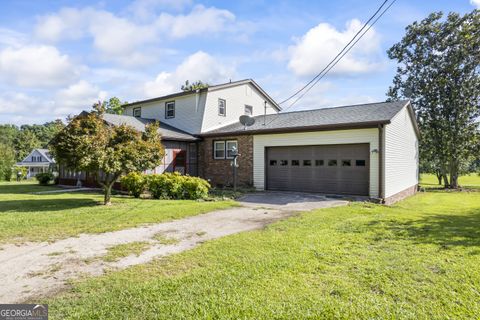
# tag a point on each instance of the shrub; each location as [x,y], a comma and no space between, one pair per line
[135,183]
[177,186]
[44,178]
[7,173]
[196,188]
[22,170]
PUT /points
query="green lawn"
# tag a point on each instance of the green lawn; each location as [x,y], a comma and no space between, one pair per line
[471,181]
[418,259]
[30,217]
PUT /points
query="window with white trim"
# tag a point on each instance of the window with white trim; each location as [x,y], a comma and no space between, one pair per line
[137,112]
[224,149]
[248,110]
[169,109]
[219,149]
[222,107]
[231,145]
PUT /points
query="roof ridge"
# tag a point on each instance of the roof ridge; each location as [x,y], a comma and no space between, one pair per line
[336,107]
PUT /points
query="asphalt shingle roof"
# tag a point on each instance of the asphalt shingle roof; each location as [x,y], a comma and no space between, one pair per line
[361,114]
[168,132]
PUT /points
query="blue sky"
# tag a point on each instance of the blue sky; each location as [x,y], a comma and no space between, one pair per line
[59,57]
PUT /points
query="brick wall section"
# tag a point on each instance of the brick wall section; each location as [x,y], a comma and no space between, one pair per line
[401,195]
[219,171]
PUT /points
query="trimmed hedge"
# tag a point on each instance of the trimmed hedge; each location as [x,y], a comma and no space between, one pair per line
[166,185]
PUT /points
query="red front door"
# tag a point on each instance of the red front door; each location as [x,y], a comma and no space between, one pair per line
[180,161]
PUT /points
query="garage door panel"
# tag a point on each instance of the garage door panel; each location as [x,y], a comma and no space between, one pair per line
[324,168]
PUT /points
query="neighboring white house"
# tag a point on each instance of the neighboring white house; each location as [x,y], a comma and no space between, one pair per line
[37,161]
[364,149]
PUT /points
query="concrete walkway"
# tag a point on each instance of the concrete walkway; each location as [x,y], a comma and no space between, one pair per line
[35,270]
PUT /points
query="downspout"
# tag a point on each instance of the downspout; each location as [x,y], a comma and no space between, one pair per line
[381,162]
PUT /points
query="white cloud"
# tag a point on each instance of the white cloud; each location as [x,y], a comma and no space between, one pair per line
[77,97]
[123,40]
[314,50]
[116,38]
[199,21]
[11,38]
[36,66]
[146,9]
[19,107]
[475,3]
[198,66]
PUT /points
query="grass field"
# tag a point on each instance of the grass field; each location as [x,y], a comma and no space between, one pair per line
[418,259]
[32,217]
[471,181]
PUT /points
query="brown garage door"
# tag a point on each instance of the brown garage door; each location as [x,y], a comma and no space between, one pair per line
[342,169]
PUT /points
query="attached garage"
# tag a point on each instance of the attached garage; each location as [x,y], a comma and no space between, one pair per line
[368,150]
[339,169]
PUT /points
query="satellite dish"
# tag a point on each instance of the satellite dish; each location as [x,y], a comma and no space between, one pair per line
[247,121]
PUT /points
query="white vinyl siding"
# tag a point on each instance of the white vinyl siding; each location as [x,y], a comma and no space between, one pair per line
[401,154]
[260,142]
[236,97]
[189,111]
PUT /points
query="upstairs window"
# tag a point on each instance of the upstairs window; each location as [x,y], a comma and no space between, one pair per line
[248,110]
[222,107]
[137,112]
[169,109]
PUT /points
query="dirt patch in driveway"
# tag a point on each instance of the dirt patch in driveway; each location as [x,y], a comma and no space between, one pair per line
[35,270]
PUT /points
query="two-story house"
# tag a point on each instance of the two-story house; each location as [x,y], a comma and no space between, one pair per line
[368,149]
[37,161]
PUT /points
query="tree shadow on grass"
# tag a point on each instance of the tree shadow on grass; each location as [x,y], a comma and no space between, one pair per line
[443,230]
[13,188]
[36,205]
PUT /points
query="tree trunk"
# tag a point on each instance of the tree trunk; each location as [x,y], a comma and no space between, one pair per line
[446,184]
[453,178]
[439,177]
[107,187]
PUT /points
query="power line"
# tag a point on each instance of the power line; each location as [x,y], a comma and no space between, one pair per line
[321,77]
[333,63]
[344,48]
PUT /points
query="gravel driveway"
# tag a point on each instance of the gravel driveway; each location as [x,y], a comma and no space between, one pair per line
[35,270]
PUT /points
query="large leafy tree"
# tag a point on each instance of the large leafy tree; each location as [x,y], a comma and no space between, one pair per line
[114,105]
[194,85]
[88,144]
[25,142]
[438,70]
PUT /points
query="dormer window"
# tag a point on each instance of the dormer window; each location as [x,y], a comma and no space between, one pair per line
[222,107]
[248,110]
[137,112]
[169,109]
